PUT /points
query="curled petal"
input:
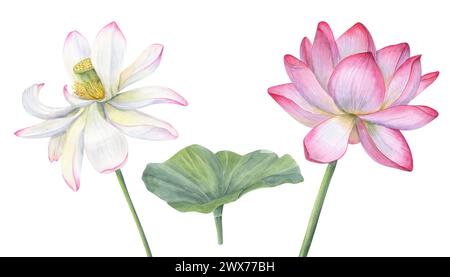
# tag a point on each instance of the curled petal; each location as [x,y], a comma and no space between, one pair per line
[355,40]
[143,66]
[295,105]
[72,153]
[390,58]
[427,80]
[140,125]
[328,141]
[357,84]
[324,53]
[55,147]
[405,83]
[307,85]
[32,104]
[402,117]
[305,51]
[106,146]
[385,146]
[74,100]
[141,97]
[48,128]
[76,48]
[108,54]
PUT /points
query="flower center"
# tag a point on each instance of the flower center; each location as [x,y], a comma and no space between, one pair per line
[87,83]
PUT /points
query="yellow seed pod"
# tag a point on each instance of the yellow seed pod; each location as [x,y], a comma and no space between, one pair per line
[83,66]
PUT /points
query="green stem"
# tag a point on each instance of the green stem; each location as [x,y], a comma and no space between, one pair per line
[133,212]
[314,218]
[218,220]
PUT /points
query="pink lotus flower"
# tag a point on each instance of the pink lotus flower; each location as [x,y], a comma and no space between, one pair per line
[349,92]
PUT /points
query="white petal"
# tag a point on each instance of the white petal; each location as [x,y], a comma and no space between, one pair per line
[76,48]
[143,66]
[72,153]
[32,104]
[140,125]
[49,127]
[108,54]
[75,100]
[141,97]
[329,140]
[55,147]
[106,146]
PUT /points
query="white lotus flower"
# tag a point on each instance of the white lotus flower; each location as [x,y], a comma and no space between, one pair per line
[101,111]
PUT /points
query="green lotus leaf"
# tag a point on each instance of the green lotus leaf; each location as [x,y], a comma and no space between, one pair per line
[196,179]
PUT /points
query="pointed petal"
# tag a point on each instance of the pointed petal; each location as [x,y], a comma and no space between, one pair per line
[76,48]
[328,141]
[106,146]
[72,153]
[308,86]
[305,51]
[141,97]
[48,128]
[324,53]
[427,80]
[402,117]
[405,83]
[390,58]
[294,104]
[140,125]
[143,66]
[108,54]
[355,40]
[74,100]
[385,146]
[55,147]
[357,84]
[32,104]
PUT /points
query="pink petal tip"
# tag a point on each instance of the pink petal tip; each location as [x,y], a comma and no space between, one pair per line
[111,170]
[75,187]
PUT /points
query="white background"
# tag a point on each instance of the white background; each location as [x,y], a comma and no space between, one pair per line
[222,57]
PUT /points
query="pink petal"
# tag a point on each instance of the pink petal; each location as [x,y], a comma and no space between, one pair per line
[402,117]
[294,104]
[357,84]
[328,141]
[305,51]
[354,137]
[324,53]
[385,146]
[427,80]
[355,40]
[307,85]
[405,82]
[390,58]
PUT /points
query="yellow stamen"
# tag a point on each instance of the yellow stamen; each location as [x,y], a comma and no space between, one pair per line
[87,85]
[89,90]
